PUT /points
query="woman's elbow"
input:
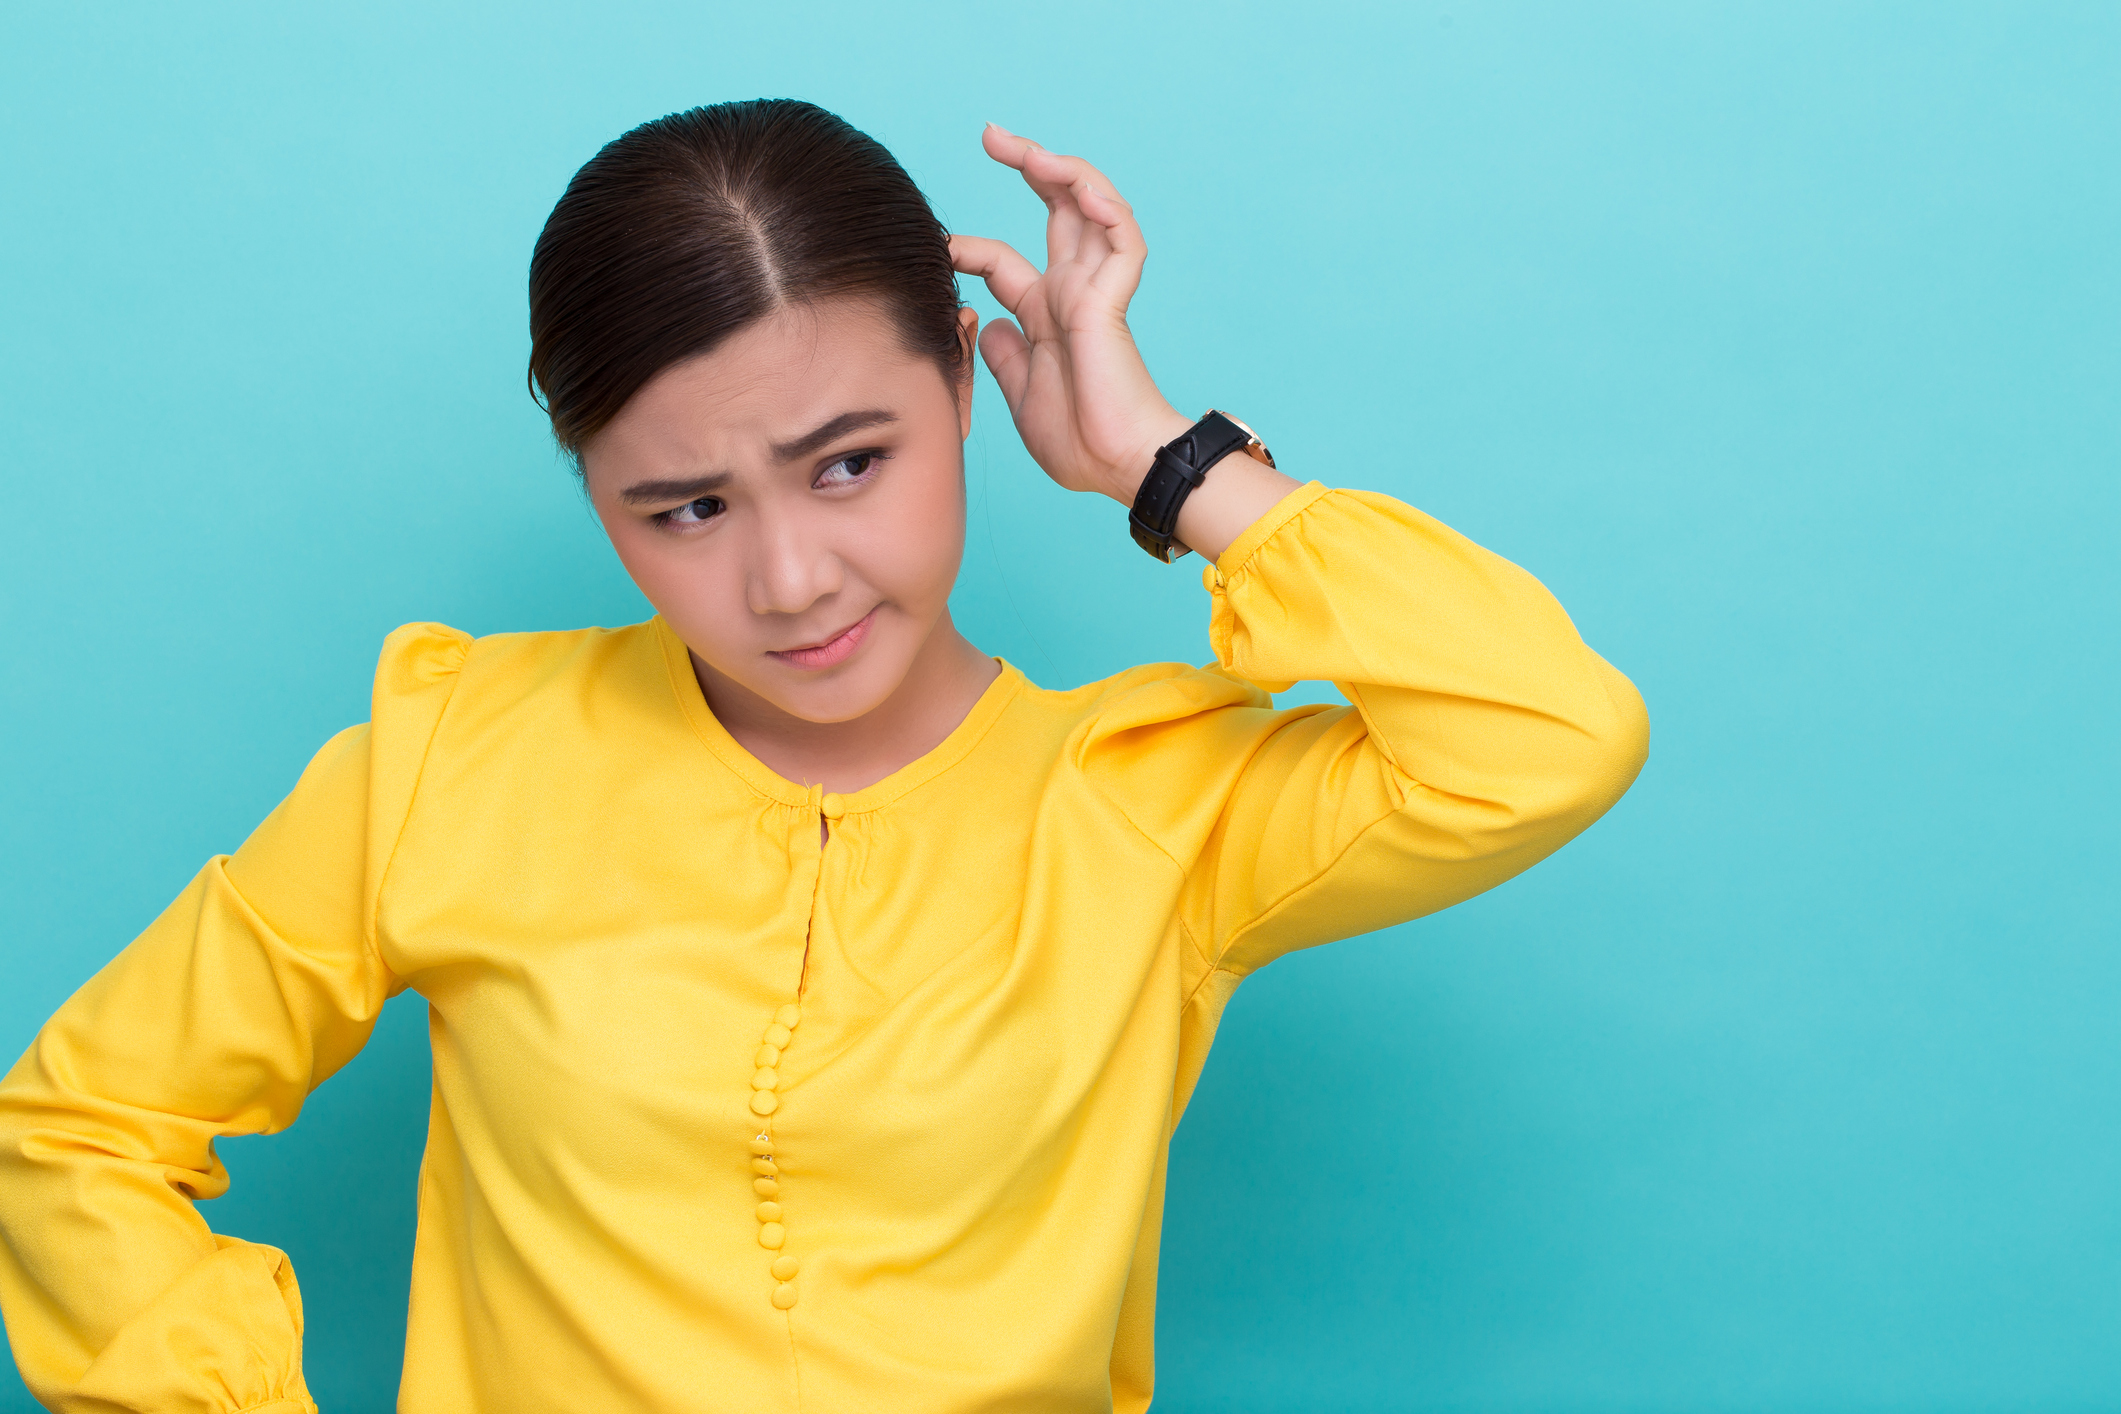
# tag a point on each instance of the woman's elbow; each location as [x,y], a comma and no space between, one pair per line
[1569,773]
[1609,752]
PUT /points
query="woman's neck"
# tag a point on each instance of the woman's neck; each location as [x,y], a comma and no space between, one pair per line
[946,678]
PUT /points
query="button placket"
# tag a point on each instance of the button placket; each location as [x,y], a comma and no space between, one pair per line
[766,1183]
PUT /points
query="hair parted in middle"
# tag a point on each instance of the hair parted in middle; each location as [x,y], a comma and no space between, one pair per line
[693,226]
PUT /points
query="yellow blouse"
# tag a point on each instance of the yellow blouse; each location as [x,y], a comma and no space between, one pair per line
[727,1119]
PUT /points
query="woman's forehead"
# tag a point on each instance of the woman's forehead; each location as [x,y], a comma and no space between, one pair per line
[772,386]
[779,359]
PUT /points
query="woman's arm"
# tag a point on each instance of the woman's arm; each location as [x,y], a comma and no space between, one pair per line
[1483,734]
[259,982]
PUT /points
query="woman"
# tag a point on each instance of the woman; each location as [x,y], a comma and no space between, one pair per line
[812,996]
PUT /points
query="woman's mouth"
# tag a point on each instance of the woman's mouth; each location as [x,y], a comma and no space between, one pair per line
[834,650]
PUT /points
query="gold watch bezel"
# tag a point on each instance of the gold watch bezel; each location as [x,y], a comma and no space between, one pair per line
[1255,449]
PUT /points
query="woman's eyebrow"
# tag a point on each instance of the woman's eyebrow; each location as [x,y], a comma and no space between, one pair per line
[830,432]
[643,493]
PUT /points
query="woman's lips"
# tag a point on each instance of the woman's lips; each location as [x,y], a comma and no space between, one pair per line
[836,649]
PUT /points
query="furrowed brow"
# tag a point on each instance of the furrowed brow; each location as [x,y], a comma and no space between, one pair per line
[831,432]
[643,493]
[646,493]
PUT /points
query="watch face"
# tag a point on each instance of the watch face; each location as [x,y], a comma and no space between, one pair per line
[1255,449]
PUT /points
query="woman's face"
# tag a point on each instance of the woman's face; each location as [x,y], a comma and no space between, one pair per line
[793,504]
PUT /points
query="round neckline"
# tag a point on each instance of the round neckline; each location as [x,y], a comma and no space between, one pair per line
[685,686]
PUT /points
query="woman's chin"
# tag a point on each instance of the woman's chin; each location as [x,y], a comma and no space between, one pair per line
[840,694]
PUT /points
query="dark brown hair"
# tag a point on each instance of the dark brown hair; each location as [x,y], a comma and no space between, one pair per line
[687,229]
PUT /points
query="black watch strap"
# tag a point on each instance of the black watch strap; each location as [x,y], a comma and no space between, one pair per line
[1180,465]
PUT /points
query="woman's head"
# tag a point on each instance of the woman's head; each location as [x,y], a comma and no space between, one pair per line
[746,330]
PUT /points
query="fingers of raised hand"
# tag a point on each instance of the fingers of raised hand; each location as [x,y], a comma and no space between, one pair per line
[1105,234]
[1004,146]
[1065,225]
[1069,186]
[1008,355]
[1120,272]
[1008,275]
[1054,176]
[1089,224]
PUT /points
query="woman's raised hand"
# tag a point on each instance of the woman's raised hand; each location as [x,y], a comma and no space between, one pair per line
[1083,400]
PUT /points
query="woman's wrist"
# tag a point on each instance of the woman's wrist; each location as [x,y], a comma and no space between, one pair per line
[1235,492]
[1166,426]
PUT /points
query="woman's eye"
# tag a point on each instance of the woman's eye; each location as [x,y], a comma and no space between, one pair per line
[692,512]
[850,469]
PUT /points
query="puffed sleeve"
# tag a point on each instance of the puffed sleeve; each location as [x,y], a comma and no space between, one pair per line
[1482,734]
[251,989]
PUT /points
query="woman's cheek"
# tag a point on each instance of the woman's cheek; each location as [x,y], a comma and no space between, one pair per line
[938,528]
[693,594]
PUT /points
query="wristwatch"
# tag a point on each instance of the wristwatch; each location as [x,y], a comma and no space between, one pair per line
[1181,464]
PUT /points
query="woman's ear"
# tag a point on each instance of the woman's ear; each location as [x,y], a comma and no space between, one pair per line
[967,360]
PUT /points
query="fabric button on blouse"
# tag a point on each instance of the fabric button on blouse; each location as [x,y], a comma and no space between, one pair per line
[765,1101]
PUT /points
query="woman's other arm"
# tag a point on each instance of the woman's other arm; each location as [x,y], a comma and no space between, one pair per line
[259,982]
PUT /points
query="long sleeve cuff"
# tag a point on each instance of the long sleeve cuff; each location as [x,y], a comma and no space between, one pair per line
[224,1338]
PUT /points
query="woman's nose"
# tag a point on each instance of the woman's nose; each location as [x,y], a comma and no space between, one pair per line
[793,569]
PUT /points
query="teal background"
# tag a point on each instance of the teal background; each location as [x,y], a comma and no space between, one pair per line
[1782,341]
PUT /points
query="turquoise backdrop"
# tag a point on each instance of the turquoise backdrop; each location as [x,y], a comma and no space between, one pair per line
[1783,341]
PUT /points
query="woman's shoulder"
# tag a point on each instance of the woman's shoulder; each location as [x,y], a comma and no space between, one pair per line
[425,669]
[1154,694]
[416,657]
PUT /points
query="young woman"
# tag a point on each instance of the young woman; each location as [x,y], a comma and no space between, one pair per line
[812,996]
